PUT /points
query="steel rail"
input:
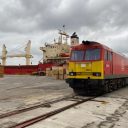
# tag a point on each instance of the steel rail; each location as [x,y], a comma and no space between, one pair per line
[46,104]
[49,114]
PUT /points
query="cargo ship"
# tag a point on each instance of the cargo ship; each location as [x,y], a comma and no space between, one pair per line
[54,54]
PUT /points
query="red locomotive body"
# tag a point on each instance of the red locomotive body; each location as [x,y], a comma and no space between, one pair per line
[115,64]
[94,66]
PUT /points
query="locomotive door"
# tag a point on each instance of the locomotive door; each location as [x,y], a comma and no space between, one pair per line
[108,63]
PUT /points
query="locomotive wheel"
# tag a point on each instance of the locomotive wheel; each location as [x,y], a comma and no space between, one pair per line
[119,83]
[106,86]
[115,86]
[123,83]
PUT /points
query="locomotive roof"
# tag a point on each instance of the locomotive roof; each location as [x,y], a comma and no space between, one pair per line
[89,44]
[92,44]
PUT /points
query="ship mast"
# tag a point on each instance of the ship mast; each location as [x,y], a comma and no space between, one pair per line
[63,34]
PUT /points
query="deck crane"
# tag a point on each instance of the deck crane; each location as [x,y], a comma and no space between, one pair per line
[27,54]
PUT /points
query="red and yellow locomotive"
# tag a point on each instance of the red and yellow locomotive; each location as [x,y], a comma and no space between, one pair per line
[93,67]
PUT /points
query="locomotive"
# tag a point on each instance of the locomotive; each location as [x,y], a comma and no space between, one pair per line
[94,68]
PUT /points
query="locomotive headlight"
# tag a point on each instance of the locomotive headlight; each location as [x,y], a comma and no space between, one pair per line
[96,73]
[72,73]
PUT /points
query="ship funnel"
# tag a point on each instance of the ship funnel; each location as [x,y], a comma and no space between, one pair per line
[74,39]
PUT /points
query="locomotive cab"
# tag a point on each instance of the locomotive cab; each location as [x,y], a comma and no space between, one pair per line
[86,61]
[86,66]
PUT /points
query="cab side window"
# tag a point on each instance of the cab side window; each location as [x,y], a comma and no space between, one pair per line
[108,55]
[105,55]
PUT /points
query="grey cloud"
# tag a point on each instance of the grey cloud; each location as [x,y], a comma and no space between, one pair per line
[99,20]
[27,15]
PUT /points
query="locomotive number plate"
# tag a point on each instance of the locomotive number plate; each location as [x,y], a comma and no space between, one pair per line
[83,65]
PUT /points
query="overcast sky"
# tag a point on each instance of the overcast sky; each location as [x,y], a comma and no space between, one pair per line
[105,21]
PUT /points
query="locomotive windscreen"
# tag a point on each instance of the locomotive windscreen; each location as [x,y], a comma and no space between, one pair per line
[92,54]
[77,55]
[87,55]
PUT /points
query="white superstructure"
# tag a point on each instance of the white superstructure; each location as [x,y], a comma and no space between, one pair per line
[59,51]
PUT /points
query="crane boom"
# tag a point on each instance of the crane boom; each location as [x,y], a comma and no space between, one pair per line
[27,54]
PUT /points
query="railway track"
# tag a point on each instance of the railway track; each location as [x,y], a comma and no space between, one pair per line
[67,103]
[45,104]
[76,100]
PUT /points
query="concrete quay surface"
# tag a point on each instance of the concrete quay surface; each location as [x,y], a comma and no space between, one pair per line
[107,111]
[21,91]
